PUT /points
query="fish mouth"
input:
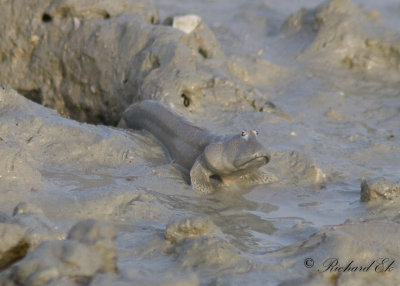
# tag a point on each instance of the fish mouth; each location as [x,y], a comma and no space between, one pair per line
[255,162]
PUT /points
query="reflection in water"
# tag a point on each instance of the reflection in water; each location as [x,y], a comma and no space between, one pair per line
[233,214]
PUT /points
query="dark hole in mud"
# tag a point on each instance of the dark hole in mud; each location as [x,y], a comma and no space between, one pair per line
[107,16]
[168,21]
[155,63]
[203,53]
[32,94]
[270,104]
[14,254]
[186,100]
[216,177]
[46,18]
[100,119]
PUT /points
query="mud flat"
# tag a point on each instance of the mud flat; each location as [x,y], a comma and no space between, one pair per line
[83,202]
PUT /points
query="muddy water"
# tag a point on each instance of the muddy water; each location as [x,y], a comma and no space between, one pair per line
[327,126]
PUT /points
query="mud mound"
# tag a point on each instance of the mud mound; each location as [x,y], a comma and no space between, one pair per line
[342,33]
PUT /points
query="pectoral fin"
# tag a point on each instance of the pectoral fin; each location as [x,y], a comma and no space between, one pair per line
[259,177]
[200,177]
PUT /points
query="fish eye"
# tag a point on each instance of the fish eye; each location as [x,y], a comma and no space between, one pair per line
[244,134]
